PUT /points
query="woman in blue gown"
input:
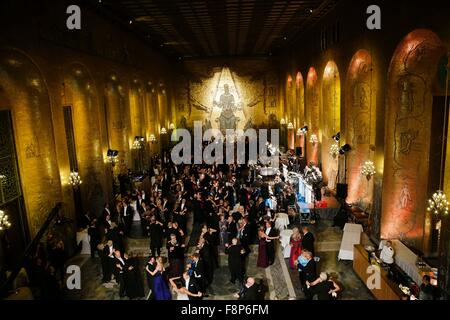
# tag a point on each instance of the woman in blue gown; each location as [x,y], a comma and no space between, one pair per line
[160,286]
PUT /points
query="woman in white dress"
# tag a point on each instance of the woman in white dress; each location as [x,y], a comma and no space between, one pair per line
[181,292]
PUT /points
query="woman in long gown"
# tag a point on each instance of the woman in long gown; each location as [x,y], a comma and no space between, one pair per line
[263,261]
[160,285]
[296,247]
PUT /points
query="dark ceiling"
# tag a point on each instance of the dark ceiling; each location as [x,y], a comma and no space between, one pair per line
[211,28]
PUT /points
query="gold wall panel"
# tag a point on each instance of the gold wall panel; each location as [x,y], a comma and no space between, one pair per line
[299,109]
[28,99]
[360,123]
[117,113]
[331,110]
[312,111]
[81,94]
[408,126]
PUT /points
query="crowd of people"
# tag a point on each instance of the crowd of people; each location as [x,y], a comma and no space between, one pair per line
[190,214]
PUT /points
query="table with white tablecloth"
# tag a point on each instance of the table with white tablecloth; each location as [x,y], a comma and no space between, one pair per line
[282,221]
[352,236]
[285,239]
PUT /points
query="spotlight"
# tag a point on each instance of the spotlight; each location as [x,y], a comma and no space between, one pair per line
[345,148]
[337,137]
[112,153]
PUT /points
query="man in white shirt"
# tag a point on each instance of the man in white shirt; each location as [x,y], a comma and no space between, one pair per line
[387,253]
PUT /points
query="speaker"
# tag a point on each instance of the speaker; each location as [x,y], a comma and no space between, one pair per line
[341,190]
[298,151]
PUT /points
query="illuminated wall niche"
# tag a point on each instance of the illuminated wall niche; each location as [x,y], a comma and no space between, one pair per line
[289,111]
[254,95]
[299,109]
[360,102]
[331,110]
[151,112]
[408,130]
[81,95]
[312,115]
[117,111]
[24,92]
[136,109]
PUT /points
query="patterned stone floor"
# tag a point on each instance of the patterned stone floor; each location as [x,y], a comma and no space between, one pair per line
[283,283]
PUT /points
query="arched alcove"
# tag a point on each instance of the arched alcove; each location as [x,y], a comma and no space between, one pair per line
[331,117]
[412,73]
[117,114]
[24,94]
[81,95]
[360,125]
[312,105]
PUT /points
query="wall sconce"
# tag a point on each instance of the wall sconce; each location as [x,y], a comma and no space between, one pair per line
[138,142]
[172,126]
[163,130]
[345,148]
[368,169]
[75,179]
[299,132]
[290,125]
[112,156]
[438,204]
[334,150]
[282,121]
[4,221]
[337,137]
[313,139]
[152,139]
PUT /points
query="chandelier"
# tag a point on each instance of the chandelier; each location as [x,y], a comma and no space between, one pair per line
[299,132]
[74,179]
[368,169]
[290,125]
[282,121]
[172,126]
[334,150]
[438,204]
[313,139]
[163,131]
[152,138]
[4,221]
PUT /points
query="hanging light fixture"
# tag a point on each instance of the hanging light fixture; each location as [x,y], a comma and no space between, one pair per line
[299,132]
[172,126]
[438,204]
[290,125]
[75,179]
[334,150]
[282,121]
[368,169]
[313,139]
[163,130]
[138,142]
[4,221]
[112,156]
[152,138]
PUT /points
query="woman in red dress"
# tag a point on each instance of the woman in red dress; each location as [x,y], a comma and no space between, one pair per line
[296,247]
[263,261]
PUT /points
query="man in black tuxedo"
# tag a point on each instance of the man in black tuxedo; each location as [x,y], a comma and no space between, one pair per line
[270,245]
[236,264]
[192,286]
[244,236]
[120,269]
[128,217]
[307,271]
[94,237]
[249,291]
[199,272]
[155,230]
[108,261]
[308,240]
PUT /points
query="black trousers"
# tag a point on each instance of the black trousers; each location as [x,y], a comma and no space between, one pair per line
[155,250]
[107,269]
[236,273]
[270,252]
